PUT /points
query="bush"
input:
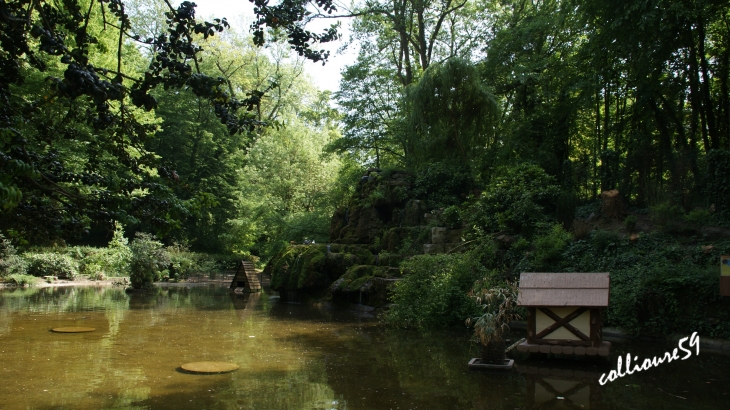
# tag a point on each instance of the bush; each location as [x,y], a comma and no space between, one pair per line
[118,253]
[451,217]
[10,262]
[665,215]
[183,263]
[550,246]
[433,291]
[630,223]
[97,275]
[13,265]
[149,260]
[51,264]
[443,183]
[22,280]
[698,217]
[663,298]
[603,240]
[517,200]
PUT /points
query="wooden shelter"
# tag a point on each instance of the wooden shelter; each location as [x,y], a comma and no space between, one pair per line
[564,312]
[246,278]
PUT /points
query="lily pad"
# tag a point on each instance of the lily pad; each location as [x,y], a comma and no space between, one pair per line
[210,367]
[73,329]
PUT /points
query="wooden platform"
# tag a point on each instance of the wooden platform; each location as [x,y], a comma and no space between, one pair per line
[476,364]
[603,350]
[246,278]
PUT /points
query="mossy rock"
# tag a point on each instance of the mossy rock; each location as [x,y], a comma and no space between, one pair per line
[312,267]
[359,277]
[299,267]
[390,259]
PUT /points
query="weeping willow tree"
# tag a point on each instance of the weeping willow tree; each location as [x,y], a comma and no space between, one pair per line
[449,115]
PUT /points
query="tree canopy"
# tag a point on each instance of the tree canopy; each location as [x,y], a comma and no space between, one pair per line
[80,94]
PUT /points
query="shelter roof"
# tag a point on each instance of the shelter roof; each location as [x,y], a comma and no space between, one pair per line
[563,289]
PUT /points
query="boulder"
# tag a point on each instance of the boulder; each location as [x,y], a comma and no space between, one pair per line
[445,235]
[339,220]
[413,213]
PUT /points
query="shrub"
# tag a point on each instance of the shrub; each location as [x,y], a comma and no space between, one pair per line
[602,240]
[698,217]
[119,254]
[13,265]
[22,280]
[517,200]
[10,262]
[443,183]
[662,297]
[550,246]
[183,262]
[149,260]
[451,217]
[433,291]
[97,275]
[665,215]
[51,264]
[630,223]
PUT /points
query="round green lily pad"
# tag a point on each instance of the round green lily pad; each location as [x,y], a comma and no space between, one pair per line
[73,329]
[209,367]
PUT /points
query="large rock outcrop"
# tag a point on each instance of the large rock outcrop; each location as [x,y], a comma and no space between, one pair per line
[368,239]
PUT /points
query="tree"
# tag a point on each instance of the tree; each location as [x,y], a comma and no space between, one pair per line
[58,175]
[450,115]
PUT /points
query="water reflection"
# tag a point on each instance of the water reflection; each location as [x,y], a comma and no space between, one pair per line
[550,387]
[291,357]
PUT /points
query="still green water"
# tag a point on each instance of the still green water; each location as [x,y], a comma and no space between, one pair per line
[294,357]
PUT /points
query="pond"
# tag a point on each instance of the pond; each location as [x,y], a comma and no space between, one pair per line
[294,357]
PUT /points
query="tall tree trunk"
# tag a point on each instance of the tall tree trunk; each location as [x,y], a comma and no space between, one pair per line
[695,98]
[706,94]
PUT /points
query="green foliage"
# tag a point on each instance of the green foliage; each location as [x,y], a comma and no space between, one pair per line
[603,240]
[149,260]
[21,280]
[433,291]
[666,215]
[300,267]
[357,276]
[517,200]
[451,217]
[13,265]
[443,183]
[630,222]
[550,246]
[10,262]
[663,298]
[698,217]
[51,264]
[97,275]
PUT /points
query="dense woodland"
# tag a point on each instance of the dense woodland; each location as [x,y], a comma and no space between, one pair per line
[512,116]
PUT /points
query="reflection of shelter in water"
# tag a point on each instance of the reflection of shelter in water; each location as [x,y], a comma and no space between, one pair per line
[244,303]
[564,312]
[555,388]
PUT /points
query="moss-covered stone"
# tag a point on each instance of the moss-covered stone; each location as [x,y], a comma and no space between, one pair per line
[359,277]
[299,267]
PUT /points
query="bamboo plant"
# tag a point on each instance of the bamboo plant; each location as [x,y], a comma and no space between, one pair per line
[498,307]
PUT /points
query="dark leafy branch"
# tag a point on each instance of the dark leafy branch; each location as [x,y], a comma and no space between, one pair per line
[86,105]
